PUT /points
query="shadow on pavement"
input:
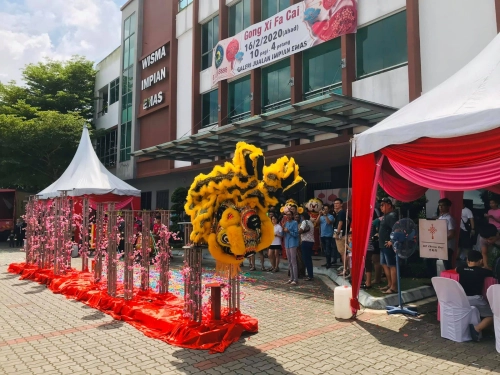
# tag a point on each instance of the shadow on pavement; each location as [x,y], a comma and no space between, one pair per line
[37,289]
[237,358]
[96,315]
[115,324]
[425,338]
[22,284]
[9,276]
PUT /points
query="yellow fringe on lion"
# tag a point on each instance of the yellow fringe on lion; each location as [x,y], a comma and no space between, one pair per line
[228,207]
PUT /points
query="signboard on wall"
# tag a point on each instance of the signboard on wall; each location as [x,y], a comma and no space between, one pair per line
[295,29]
[433,238]
[329,195]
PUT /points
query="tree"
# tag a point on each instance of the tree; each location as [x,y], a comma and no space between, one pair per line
[35,152]
[41,121]
[179,198]
[62,86]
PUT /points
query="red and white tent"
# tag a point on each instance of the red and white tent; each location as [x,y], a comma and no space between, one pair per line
[448,140]
[86,176]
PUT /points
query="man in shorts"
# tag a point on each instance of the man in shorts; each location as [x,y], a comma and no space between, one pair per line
[387,254]
[472,280]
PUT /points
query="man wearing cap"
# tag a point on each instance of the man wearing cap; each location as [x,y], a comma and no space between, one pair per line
[387,254]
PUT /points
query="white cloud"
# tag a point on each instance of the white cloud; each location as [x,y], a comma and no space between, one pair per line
[31,30]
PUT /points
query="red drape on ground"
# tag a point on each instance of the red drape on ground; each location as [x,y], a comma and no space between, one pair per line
[159,316]
[451,165]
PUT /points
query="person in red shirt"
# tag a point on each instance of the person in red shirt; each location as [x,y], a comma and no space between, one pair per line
[472,280]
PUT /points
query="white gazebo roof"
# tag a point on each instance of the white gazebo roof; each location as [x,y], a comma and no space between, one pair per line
[86,176]
[467,103]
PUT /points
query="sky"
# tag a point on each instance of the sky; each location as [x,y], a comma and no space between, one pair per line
[32,30]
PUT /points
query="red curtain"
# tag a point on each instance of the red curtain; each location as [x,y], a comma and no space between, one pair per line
[397,186]
[363,196]
[447,152]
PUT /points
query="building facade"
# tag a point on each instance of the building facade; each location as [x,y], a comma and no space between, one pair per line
[173,124]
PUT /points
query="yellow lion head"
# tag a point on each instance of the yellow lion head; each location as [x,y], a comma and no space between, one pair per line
[228,206]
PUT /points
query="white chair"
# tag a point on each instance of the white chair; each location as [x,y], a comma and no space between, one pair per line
[493,295]
[456,311]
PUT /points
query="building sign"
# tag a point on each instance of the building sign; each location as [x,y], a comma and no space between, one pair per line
[299,27]
[433,238]
[157,55]
[154,78]
[152,100]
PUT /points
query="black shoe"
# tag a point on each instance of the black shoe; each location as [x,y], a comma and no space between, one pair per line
[365,287]
[473,333]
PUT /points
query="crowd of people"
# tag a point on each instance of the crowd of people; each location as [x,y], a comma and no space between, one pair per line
[294,240]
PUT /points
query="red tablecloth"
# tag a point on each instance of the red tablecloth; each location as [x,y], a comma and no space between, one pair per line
[452,274]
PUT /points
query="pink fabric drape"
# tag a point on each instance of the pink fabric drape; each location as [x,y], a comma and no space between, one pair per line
[479,176]
[397,186]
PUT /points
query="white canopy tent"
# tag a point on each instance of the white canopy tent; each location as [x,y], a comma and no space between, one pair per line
[87,176]
[467,103]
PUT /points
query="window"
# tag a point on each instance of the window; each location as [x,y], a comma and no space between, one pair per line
[239,17]
[322,66]
[106,148]
[275,85]
[209,38]
[127,86]
[114,91]
[102,105]
[210,110]
[271,7]
[184,3]
[381,45]
[146,200]
[162,200]
[239,99]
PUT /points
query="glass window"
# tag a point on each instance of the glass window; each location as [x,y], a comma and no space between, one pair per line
[210,108]
[239,17]
[114,91]
[209,38]
[322,65]
[239,98]
[184,3]
[271,7]
[162,200]
[146,200]
[106,148]
[381,45]
[126,28]
[275,83]
[127,86]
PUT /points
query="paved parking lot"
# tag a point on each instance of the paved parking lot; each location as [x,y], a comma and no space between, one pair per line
[45,333]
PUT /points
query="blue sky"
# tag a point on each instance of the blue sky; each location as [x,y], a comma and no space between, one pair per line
[32,30]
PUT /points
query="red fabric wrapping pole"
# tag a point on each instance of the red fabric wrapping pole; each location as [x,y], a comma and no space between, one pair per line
[364,187]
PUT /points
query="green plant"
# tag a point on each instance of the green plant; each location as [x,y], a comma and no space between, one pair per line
[179,198]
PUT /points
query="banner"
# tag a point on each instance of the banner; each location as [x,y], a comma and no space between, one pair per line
[433,237]
[299,27]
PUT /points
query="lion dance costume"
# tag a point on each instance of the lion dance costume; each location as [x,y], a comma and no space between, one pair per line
[228,207]
[314,207]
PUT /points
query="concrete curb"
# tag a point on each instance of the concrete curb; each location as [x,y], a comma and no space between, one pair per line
[365,299]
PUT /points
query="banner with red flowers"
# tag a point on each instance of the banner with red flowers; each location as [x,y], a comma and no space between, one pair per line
[297,28]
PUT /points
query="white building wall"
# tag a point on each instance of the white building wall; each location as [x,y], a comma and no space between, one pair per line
[208,9]
[108,70]
[184,21]
[184,87]
[452,32]
[371,10]
[126,169]
[388,88]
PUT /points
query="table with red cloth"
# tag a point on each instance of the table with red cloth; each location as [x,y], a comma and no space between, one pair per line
[452,274]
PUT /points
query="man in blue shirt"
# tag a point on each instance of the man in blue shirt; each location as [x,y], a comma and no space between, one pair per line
[326,234]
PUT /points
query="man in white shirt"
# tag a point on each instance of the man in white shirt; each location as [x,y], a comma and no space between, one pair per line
[467,231]
[444,205]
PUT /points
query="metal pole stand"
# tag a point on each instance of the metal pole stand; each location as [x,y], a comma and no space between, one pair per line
[112,244]
[29,231]
[164,254]
[145,250]
[59,235]
[233,302]
[85,234]
[128,266]
[99,242]
[68,232]
[51,243]
[43,213]
[192,283]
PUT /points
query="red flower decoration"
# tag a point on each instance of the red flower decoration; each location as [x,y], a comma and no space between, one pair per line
[342,22]
[232,49]
[328,4]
